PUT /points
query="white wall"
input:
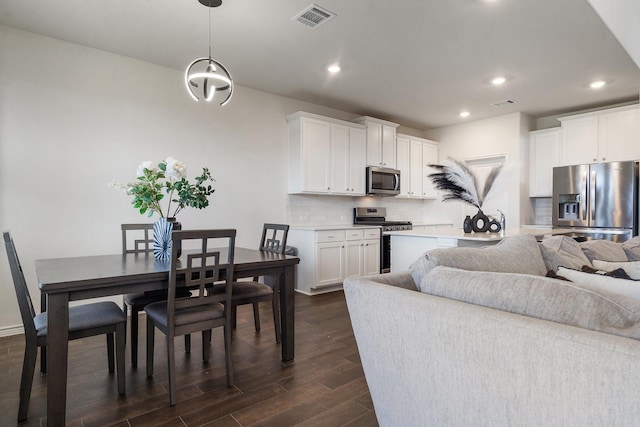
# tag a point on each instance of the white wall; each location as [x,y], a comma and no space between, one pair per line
[73,119]
[503,135]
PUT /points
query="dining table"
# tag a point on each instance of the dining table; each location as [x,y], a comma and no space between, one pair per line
[62,280]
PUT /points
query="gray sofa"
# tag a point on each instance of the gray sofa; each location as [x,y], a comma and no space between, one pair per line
[446,344]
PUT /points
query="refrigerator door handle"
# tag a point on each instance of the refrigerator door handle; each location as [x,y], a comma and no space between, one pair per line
[592,196]
[583,196]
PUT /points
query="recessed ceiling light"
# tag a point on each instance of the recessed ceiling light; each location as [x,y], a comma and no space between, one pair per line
[497,81]
[335,68]
[464,114]
[597,84]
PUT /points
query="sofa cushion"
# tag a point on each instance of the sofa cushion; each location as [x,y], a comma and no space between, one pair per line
[540,297]
[516,254]
[562,250]
[601,283]
[605,250]
[632,268]
[632,248]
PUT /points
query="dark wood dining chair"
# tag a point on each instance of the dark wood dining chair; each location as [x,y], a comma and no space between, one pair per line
[138,239]
[84,321]
[199,269]
[274,240]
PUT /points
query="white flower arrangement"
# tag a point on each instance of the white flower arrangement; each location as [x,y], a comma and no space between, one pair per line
[168,177]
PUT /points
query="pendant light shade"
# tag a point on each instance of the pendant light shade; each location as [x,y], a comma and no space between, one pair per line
[206,76]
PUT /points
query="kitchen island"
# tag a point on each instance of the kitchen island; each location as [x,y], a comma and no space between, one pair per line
[407,246]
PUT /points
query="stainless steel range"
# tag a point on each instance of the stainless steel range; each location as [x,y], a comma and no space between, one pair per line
[377,216]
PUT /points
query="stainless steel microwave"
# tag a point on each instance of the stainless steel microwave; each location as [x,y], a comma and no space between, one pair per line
[382,181]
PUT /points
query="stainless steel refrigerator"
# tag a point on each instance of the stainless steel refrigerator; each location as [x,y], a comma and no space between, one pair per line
[597,201]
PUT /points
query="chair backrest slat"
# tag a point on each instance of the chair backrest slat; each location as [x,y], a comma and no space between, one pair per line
[200,268]
[27,311]
[274,238]
[143,241]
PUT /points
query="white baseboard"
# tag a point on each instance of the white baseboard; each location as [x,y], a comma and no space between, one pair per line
[8,331]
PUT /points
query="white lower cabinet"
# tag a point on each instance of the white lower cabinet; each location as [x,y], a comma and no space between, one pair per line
[327,257]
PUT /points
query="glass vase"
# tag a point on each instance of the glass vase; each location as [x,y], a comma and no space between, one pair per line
[162,240]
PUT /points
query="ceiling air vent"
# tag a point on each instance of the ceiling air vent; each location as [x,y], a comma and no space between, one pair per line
[503,103]
[314,16]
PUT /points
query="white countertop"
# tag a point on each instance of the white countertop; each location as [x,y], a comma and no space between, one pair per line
[330,227]
[321,227]
[457,233]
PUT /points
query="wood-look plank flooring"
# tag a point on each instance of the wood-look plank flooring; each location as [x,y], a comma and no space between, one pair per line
[325,386]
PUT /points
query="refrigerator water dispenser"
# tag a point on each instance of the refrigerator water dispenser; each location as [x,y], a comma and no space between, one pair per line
[568,206]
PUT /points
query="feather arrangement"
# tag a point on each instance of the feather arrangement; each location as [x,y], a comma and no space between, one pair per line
[458,182]
[489,185]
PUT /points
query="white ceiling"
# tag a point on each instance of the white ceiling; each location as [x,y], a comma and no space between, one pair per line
[415,62]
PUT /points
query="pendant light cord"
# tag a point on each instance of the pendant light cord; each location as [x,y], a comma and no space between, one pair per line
[209,29]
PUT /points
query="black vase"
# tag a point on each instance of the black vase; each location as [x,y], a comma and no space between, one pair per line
[176,226]
[480,222]
[494,226]
[466,225]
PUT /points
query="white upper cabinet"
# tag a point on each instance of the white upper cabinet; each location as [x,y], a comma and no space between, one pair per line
[357,161]
[402,149]
[544,155]
[310,160]
[326,156]
[413,157]
[619,135]
[601,136]
[429,157]
[579,140]
[381,141]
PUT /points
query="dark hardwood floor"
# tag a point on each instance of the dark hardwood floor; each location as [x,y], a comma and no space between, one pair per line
[325,385]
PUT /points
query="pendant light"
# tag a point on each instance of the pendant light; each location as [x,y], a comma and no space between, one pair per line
[206,76]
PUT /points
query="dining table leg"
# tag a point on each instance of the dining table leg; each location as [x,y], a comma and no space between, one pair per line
[57,357]
[287,312]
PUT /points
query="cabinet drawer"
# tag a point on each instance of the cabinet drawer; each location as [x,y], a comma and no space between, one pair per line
[354,234]
[329,236]
[372,233]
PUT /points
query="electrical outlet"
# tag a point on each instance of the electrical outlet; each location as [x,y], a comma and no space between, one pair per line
[343,217]
[304,218]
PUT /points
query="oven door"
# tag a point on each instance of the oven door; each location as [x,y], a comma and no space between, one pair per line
[385,254]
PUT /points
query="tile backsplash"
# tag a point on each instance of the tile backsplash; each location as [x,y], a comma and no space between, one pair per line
[337,210]
[542,210]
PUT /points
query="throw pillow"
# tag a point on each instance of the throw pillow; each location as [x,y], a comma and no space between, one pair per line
[604,250]
[515,254]
[601,283]
[632,248]
[632,268]
[539,297]
[562,250]
[618,273]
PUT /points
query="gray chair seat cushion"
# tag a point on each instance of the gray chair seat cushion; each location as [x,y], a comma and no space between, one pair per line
[86,316]
[247,289]
[145,298]
[158,312]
